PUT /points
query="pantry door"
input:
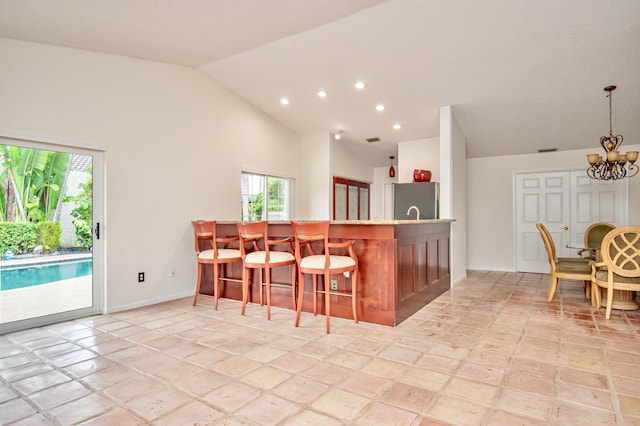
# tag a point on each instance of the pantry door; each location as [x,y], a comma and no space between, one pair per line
[51,194]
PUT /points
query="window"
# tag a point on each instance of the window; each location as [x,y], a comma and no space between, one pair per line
[266,197]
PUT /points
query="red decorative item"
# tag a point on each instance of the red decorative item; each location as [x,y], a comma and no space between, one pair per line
[421,175]
[392,171]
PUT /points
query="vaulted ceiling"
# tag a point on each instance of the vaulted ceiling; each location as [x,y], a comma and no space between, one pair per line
[520,75]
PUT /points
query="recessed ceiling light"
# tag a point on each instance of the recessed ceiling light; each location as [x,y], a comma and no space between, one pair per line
[360,85]
[379,107]
[322,93]
[284,101]
[397,126]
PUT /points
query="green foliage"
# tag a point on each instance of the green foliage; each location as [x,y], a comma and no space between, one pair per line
[83,213]
[35,177]
[49,235]
[256,207]
[18,237]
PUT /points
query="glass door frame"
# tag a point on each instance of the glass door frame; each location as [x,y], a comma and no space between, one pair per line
[350,184]
[18,138]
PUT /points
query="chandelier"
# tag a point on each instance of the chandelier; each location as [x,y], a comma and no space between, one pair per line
[613,165]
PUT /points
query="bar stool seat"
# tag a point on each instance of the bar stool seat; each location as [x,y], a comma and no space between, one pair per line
[205,234]
[261,256]
[325,264]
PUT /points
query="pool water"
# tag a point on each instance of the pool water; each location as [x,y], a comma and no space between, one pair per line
[27,276]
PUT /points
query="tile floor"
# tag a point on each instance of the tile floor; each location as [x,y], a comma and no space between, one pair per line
[491,351]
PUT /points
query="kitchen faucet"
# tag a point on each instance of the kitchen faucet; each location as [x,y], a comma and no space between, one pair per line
[417,212]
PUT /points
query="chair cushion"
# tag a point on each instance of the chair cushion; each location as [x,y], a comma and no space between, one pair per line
[317,262]
[222,254]
[274,257]
[574,259]
[573,268]
[603,275]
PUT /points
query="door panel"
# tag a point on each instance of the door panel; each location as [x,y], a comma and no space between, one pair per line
[540,197]
[566,202]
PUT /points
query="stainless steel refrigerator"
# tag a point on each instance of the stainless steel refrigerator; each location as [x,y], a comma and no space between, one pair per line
[422,195]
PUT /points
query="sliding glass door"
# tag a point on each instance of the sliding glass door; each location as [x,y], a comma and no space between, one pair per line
[49,238]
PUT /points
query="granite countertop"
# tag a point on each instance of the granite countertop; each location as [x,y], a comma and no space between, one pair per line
[356,222]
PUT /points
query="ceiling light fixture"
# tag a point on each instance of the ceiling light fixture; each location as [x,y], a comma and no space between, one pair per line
[322,93]
[360,85]
[337,135]
[392,171]
[284,101]
[379,107]
[612,166]
[397,126]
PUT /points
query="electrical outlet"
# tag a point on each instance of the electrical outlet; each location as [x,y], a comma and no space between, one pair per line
[140,277]
[334,285]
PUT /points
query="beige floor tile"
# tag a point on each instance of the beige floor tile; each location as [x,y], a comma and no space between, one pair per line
[365,384]
[457,411]
[265,377]
[268,410]
[525,404]
[381,414]
[117,416]
[408,397]
[471,391]
[490,351]
[340,404]
[194,413]
[311,418]
[81,409]
[59,394]
[231,397]
[301,390]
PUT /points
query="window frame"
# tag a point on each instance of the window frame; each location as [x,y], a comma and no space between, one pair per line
[287,195]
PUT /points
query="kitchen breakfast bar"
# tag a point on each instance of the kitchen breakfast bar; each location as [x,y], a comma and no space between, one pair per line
[403,265]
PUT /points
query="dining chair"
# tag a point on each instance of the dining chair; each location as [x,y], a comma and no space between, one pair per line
[620,265]
[261,256]
[593,237]
[205,234]
[320,261]
[567,268]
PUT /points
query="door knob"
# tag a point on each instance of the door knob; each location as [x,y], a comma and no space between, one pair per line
[564,228]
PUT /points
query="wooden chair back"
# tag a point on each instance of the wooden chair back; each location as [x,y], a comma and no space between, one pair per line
[621,251]
[548,244]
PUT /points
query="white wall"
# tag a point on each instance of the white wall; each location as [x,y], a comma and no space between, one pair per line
[421,154]
[314,186]
[453,188]
[490,228]
[175,144]
[347,164]
[382,194]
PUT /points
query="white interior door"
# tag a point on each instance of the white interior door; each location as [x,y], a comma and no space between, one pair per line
[541,198]
[596,201]
[566,202]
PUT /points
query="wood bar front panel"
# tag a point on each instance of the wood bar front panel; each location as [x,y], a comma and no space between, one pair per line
[401,269]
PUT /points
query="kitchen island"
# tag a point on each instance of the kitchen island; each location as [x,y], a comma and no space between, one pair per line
[403,265]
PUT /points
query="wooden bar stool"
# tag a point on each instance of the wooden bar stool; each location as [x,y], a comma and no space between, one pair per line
[205,232]
[262,257]
[323,263]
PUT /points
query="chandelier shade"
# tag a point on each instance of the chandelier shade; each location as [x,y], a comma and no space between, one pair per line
[613,165]
[392,171]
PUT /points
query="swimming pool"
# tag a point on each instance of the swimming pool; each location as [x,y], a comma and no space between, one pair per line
[36,274]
